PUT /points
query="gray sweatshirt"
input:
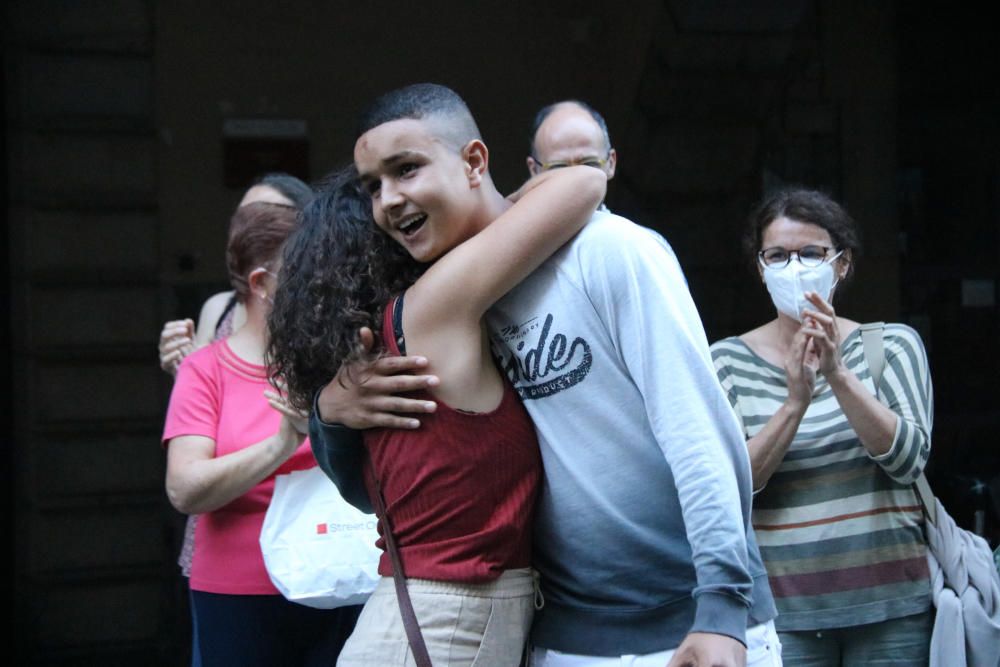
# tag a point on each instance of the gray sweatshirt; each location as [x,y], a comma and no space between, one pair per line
[642,532]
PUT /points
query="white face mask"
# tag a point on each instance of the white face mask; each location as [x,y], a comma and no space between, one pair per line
[788,285]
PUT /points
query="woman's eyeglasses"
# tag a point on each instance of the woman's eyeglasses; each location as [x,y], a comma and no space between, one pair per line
[809,256]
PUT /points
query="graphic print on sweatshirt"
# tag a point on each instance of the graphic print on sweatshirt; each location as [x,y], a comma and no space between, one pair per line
[538,360]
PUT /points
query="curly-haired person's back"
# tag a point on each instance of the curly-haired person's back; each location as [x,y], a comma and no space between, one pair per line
[337,273]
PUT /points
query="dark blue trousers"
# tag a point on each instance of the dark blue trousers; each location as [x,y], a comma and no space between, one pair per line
[267,631]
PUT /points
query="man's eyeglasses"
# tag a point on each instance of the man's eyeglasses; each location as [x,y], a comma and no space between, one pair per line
[587,161]
[809,256]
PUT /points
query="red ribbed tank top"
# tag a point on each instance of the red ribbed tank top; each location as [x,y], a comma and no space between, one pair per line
[460,490]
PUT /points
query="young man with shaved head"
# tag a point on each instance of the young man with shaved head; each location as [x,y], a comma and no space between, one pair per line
[642,533]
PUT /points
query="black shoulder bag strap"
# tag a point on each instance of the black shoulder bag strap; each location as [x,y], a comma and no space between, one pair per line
[225,312]
[874,351]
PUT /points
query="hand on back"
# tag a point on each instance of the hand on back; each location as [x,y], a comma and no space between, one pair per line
[366,395]
[294,423]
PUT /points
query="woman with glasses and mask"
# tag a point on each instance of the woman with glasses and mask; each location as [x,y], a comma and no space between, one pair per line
[839,526]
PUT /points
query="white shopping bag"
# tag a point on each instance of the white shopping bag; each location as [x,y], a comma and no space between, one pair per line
[318,549]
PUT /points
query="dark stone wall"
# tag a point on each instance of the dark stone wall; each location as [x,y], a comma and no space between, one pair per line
[118,197]
[948,193]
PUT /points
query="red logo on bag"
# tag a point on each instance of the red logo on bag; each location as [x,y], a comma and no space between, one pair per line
[321,529]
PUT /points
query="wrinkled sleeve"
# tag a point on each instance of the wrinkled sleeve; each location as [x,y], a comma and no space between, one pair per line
[906,390]
[339,451]
[195,401]
[636,284]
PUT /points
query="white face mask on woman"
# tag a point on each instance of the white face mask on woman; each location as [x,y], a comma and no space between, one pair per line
[788,285]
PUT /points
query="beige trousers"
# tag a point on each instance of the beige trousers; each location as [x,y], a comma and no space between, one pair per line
[464,625]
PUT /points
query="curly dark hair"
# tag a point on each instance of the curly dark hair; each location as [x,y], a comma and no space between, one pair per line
[338,272]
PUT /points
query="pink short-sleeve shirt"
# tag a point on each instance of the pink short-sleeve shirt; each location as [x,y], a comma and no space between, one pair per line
[220,396]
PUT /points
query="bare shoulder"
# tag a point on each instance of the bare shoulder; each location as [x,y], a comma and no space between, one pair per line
[434,330]
[217,302]
[210,313]
[457,351]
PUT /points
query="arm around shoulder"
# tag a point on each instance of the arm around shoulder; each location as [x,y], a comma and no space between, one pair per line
[471,277]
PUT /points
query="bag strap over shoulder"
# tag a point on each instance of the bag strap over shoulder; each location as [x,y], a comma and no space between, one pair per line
[927,498]
[874,351]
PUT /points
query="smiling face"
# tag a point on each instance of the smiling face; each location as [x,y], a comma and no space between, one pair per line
[423,190]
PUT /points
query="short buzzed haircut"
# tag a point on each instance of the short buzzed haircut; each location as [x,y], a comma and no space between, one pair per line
[545,112]
[423,101]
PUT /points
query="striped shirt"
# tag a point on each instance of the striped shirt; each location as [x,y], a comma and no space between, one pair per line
[840,530]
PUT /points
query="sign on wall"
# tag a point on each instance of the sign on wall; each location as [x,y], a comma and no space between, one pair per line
[252,147]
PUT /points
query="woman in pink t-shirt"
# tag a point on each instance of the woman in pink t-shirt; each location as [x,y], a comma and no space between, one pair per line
[227,435]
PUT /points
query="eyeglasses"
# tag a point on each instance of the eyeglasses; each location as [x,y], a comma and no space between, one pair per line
[809,256]
[587,161]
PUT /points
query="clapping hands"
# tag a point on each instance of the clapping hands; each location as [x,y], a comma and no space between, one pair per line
[815,349]
[821,327]
[176,342]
